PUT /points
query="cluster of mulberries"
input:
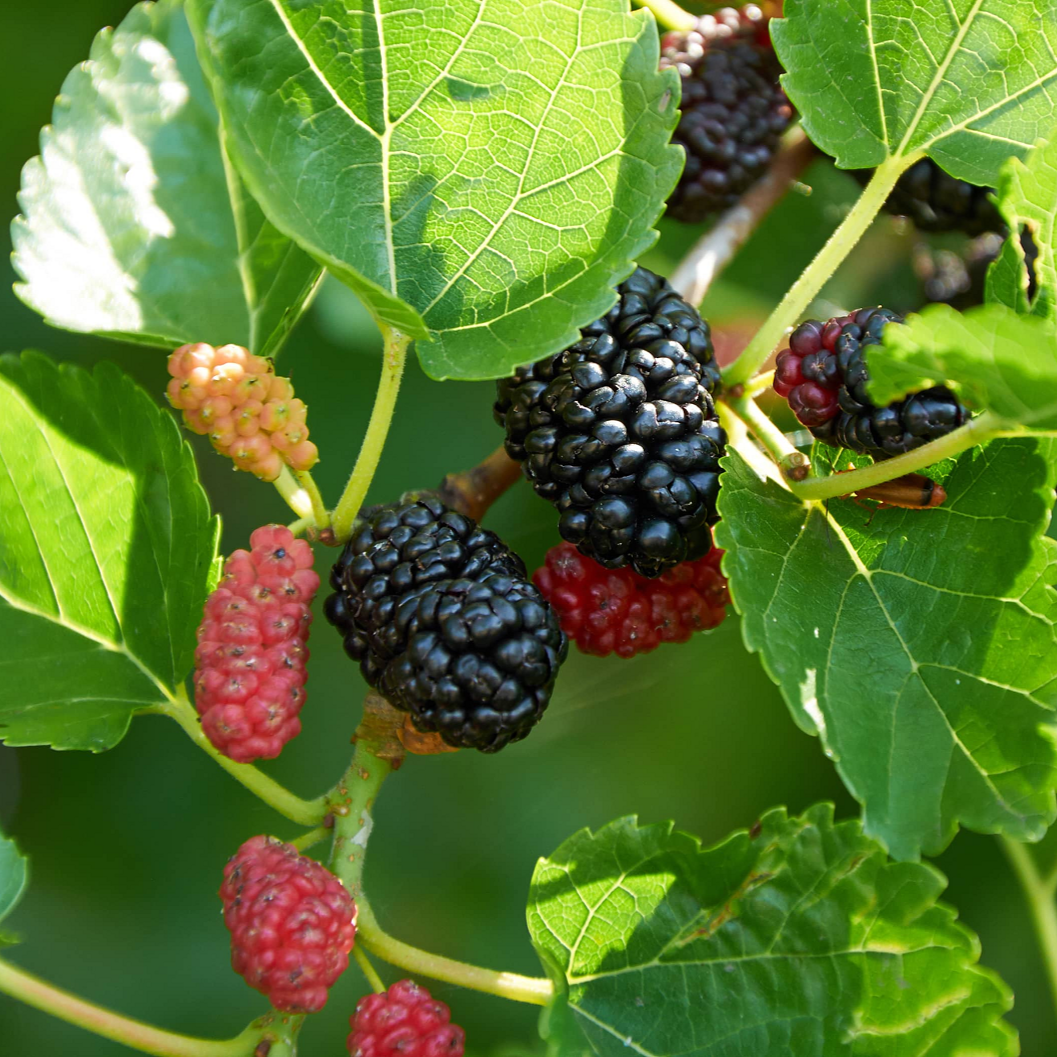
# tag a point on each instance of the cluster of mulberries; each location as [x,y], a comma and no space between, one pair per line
[733,110]
[620,431]
[405,1021]
[250,661]
[936,201]
[292,923]
[249,413]
[618,611]
[445,623]
[823,375]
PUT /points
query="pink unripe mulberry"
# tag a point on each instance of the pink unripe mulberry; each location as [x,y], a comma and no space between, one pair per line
[248,413]
[250,661]
[292,923]
[405,1021]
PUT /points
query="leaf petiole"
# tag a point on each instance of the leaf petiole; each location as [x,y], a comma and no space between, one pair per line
[304,812]
[132,1033]
[393,360]
[819,271]
[978,431]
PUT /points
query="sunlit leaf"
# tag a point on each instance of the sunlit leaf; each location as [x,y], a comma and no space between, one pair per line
[480,172]
[134,225]
[107,550]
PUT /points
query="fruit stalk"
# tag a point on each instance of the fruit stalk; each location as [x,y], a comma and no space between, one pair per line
[110,1025]
[393,360]
[719,245]
[473,491]
[795,303]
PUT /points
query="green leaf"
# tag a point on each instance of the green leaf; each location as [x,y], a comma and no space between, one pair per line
[480,172]
[14,876]
[1027,199]
[107,549]
[134,225]
[919,645]
[999,360]
[797,938]
[968,82]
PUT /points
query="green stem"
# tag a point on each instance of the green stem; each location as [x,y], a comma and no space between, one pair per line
[818,272]
[393,359]
[669,14]
[978,431]
[534,990]
[303,812]
[294,495]
[132,1033]
[765,431]
[351,804]
[320,513]
[1041,904]
[368,970]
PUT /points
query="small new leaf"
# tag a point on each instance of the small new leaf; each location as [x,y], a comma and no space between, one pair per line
[1027,199]
[967,82]
[480,172]
[997,359]
[135,226]
[888,632]
[797,938]
[107,550]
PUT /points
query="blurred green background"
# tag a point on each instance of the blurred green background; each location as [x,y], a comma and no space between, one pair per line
[127,847]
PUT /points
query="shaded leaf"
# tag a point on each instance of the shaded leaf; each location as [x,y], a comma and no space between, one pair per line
[918,645]
[996,358]
[480,172]
[799,938]
[968,82]
[107,549]
[134,225]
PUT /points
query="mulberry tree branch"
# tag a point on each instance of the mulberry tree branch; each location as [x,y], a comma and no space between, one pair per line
[719,245]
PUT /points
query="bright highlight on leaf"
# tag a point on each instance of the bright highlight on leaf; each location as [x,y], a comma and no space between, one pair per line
[797,938]
[480,172]
[920,646]
[106,553]
[967,82]
[135,226]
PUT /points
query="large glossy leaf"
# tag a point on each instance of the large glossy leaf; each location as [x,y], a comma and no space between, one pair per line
[920,646]
[107,550]
[1027,198]
[998,359]
[480,172]
[134,225]
[969,82]
[797,938]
